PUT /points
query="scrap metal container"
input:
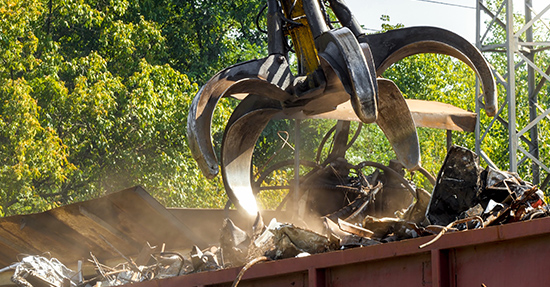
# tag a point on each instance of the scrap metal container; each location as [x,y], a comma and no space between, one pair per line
[514,254]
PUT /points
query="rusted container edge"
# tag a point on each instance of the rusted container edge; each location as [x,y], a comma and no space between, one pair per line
[513,231]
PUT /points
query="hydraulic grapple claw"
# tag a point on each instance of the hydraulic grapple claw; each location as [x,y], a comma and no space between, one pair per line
[269,77]
[336,79]
[340,49]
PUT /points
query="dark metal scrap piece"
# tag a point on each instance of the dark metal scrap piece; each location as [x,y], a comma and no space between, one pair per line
[457,188]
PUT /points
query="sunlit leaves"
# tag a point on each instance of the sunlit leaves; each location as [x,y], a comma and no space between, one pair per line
[89,104]
[17,41]
[203,37]
[29,153]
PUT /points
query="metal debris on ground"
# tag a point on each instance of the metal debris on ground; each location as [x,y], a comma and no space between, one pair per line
[234,243]
[496,196]
[38,271]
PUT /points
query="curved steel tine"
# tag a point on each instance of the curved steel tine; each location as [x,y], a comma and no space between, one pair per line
[241,133]
[392,46]
[340,49]
[272,74]
[395,120]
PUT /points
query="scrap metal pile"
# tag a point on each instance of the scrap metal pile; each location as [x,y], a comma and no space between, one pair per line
[465,196]
[382,210]
[39,271]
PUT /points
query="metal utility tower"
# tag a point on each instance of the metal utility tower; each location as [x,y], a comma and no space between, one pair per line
[525,51]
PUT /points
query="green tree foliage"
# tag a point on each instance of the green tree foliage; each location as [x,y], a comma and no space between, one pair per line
[94,96]
[204,37]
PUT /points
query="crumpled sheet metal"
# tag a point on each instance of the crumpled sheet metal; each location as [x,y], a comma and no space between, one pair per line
[457,188]
[39,271]
[381,227]
[234,243]
[285,240]
[127,219]
[466,190]
[165,264]
[416,212]
[348,235]
[305,240]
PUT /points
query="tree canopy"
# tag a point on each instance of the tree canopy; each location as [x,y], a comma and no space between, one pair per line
[94,98]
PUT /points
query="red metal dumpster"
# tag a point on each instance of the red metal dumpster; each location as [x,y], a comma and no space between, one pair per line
[508,255]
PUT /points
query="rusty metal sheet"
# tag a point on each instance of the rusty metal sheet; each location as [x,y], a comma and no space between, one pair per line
[127,219]
[426,114]
[441,116]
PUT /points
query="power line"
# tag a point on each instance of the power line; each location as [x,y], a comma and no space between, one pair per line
[448,4]
[373,30]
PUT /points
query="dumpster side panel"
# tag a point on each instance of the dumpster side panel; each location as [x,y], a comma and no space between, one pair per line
[298,279]
[396,271]
[508,263]
[508,255]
